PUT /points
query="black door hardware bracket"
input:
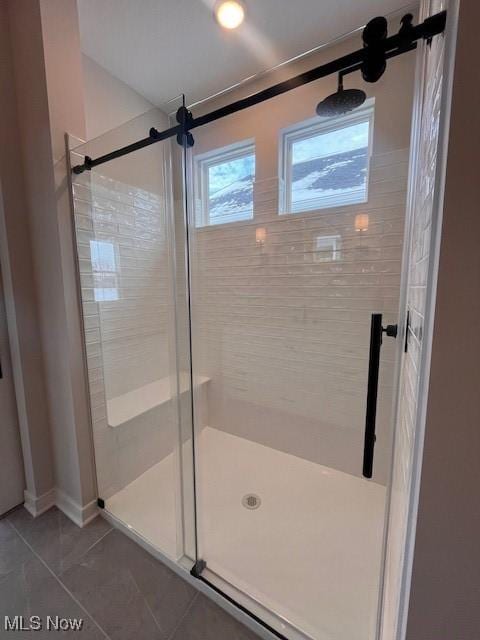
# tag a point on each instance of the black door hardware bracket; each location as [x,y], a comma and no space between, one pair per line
[376,333]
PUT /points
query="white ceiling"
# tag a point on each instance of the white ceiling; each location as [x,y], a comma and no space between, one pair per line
[162,48]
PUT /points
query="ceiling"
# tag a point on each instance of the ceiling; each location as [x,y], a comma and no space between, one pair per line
[162,48]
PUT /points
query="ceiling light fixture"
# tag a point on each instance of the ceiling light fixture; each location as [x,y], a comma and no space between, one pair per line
[230,14]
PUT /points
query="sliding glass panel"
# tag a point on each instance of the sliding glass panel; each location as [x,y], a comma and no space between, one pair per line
[125,236]
[296,226]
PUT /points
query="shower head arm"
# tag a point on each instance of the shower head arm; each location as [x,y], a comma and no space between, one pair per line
[390,54]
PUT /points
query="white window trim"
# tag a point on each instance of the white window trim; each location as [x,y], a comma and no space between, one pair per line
[202,163]
[308,129]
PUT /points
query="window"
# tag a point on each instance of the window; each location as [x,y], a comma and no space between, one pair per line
[326,163]
[326,249]
[224,184]
[104,268]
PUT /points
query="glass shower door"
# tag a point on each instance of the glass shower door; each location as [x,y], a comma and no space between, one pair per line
[296,233]
[126,215]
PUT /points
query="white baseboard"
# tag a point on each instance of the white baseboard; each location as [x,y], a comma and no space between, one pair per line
[78,514]
[38,505]
[55,497]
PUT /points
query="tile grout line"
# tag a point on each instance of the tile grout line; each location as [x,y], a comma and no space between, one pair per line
[95,543]
[184,616]
[185,613]
[146,601]
[189,606]
[63,586]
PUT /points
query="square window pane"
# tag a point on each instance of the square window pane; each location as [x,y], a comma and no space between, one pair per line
[230,190]
[326,248]
[330,169]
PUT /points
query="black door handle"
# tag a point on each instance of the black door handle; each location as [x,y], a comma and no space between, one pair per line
[376,331]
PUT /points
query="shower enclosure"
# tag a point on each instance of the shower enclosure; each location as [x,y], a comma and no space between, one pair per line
[228,290]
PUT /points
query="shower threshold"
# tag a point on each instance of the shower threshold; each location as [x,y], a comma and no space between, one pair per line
[265,558]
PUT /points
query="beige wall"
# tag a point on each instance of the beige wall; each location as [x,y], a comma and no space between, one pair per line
[12,480]
[109,102]
[445,591]
[47,76]
[284,338]
[61,40]
[42,73]
[20,285]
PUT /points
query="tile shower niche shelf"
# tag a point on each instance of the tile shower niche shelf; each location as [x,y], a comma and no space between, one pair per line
[132,404]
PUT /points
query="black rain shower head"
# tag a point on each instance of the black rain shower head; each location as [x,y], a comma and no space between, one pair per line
[341,102]
[372,68]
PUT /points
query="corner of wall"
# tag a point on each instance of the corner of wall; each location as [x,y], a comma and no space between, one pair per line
[19,278]
[46,63]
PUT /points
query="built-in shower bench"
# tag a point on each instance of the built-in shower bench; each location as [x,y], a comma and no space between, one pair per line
[132,404]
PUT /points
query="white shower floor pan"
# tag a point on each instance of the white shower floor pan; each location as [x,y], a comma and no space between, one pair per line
[311,552]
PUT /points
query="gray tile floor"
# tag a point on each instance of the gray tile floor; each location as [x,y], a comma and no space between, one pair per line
[50,567]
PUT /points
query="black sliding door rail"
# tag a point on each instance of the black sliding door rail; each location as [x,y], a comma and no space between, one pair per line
[390,47]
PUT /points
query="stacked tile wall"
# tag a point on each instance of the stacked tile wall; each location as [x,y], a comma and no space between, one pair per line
[284,335]
[128,339]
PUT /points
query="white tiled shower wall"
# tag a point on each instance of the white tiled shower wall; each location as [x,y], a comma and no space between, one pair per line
[284,336]
[133,328]
[127,339]
[422,212]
